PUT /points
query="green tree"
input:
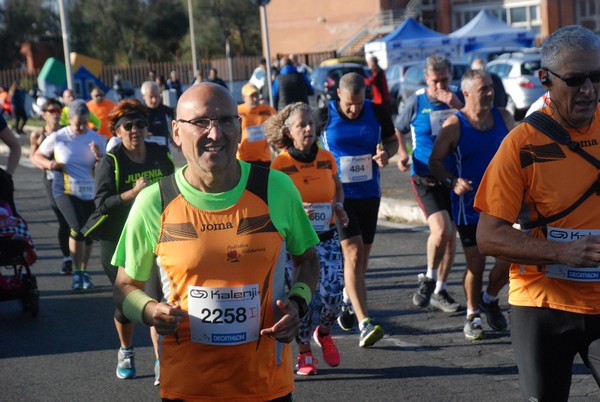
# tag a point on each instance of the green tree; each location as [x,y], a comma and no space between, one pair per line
[127,31]
[166,25]
[25,20]
[219,20]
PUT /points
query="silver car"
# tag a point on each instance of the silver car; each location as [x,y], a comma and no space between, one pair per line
[519,76]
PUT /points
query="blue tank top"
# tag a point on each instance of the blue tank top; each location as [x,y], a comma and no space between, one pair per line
[346,138]
[470,159]
[421,130]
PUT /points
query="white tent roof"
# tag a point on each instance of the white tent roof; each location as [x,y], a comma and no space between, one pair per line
[410,41]
[485,28]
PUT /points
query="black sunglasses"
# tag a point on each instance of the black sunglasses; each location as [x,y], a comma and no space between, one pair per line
[579,79]
[139,124]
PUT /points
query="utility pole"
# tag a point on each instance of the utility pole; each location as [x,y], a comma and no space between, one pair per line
[64,24]
[193,39]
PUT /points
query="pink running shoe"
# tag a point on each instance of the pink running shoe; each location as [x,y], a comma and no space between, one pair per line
[306,364]
[331,354]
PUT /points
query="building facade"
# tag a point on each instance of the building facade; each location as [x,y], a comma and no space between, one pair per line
[332,25]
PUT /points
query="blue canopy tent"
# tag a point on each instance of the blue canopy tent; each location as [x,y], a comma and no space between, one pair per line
[411,41]
[485,30]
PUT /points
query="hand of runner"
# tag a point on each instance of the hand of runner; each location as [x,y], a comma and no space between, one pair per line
[96,150]
[286,329]
[341,215]
[381,157]
[583,252]
[140,184]
[165,317]
[462,186]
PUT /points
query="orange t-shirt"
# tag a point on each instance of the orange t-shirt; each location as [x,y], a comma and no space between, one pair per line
[234,255]
[102,110]
[532,176]
[313,180]
[254,146]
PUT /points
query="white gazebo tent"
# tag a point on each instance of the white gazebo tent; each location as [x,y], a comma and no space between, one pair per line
[411,41]
[485,30]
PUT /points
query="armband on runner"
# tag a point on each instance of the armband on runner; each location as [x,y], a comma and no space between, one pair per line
[134,305]
[301,294]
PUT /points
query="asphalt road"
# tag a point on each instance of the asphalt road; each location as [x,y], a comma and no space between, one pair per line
[68,353]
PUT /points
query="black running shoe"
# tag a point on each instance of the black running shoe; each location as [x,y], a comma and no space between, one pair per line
[347,318]
[493,314]
[426,288]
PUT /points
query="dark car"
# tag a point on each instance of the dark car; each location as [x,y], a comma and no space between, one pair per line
[325,81]
[414,79]
[395,77]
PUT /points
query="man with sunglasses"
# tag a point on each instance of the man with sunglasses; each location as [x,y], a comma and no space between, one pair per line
[220,228]
[101,107]
[554,276]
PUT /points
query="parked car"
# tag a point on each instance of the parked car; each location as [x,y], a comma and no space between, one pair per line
[395,77]
[414,79]
[519,76]
[325,81]
[345,59]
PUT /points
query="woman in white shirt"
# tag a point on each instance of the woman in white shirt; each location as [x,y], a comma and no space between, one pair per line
[75,149]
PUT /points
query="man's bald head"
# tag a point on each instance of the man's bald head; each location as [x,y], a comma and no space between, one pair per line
[203,94]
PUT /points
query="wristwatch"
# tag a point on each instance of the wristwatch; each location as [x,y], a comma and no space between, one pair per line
[448,182]
[302,306]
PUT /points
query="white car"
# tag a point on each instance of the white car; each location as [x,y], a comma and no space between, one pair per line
[519,76]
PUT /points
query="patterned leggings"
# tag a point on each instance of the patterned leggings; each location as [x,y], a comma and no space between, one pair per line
[330,288]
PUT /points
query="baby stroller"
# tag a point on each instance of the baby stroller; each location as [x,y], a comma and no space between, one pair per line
[16,252]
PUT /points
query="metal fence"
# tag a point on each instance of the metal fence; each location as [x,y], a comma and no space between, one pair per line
[242,68]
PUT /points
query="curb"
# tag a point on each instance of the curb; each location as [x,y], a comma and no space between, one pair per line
[404,210]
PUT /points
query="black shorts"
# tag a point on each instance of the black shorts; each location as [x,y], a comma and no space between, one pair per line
[76,212]
[545,342]
[468,235]
[362,215]
[432,196]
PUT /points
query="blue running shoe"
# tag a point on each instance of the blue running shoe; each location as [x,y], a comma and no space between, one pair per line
[126,364]
[77,281]
[66,268]
[87,281]
[157,372]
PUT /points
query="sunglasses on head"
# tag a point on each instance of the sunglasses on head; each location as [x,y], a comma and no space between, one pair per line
[578,79]
[139,124]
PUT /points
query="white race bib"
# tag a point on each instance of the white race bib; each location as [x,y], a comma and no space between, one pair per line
[355,169]
[255,133]
[224,316]
[560,271]
[80,188]
[321,217]
[437,118]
